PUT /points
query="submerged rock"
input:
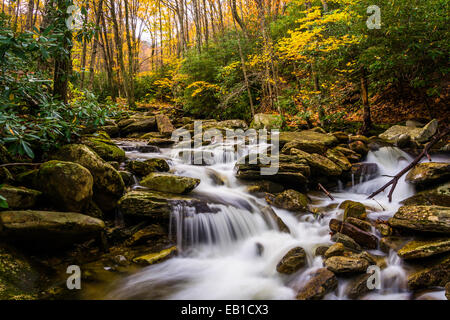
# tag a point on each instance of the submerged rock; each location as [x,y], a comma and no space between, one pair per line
[428,173]
[19,197]
[67,185]
[363,171]
[108,184]
[166,182]
[271,217]
[424,248]
[292,261]
[358,287]
[434,219]
[322,282]
[338,264]
[291,200]
[52,228]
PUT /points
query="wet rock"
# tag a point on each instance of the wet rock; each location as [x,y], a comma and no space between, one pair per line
[362,224]
[19,197]
[340,265]
[322,282]
[146,234]
[217,178]
[108,184]
[291,200]
[292,261]
[439,196]
[351,155]
[342,137]
[272,218]
[114,164]
[166,182]
[437,274]
[306,140]
[106,149]
[265,186]
[233,124]
[19,278]
[259,249]
[157,257]
[291,170]
[145,124]
[447,291]
[336,249]
[339,158]
[384,229]
[147,149]
[320,165]
[358,138]
[434,219]
[320,250]
[353,209]
[66,185]
[28,179]
[160,142]
[151,135]
[112,130]
[346,241]
[359,147]
[266,121]
[376,143]
[52,228]
[358,287]
[363,238]
[424,248]
[364,171]
[127,178]
[428,173]
[144,168]
[416,134]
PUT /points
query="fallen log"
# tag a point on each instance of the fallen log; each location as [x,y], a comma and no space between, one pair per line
[438,136]
[363,238]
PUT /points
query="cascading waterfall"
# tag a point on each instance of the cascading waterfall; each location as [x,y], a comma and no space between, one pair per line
[232,251]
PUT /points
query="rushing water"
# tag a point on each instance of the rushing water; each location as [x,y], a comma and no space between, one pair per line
[232,252]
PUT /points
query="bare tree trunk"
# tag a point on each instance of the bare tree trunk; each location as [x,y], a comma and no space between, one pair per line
[84,50]
[367,121]
[95,44]
[131,101]
[29,23]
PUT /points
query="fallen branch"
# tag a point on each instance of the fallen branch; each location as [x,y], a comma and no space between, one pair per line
[438,136]
[326,192]
[19,164]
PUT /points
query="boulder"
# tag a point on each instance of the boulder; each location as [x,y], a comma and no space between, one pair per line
[5,175]
[273,219]
[48,227]
[346,241]
[266,121]
[160,142]
[292,171]
[143,168]
[353,209]
[351,155]
[164,124]
[67,185]
[149,233]
[358,287]
[424,248]
[322,282]
[439,196]
[291,200]
[233,124]
[416,134]
[428,173]
[320,251]
[359,147]
[166,182]
[435,219]
[265,186]
[362,224]
[437,273]
[127,178]
[135,125]
[106,149]
[108,184]
[363,238]
[340,265]
[320,165]
[339,158]
[384,229]
[341,136]
[112,130]
[358,138]
[336,249]
[293,260]
[392,243]
[19,197]
[306,140]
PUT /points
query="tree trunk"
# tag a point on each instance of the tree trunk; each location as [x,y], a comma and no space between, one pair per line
[367,121]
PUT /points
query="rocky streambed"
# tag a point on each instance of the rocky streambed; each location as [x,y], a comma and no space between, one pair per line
[142,222]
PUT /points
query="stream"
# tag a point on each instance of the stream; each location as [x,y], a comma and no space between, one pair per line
[232,253]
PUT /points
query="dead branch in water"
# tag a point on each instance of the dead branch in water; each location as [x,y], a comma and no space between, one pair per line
[438,136]
[325,191]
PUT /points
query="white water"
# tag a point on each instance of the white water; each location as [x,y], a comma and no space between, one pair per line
[221,256]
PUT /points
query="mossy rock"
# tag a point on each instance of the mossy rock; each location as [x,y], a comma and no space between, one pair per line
[5,176]
[359,147]
[106,149]
[428,173]
[156,257]
[320,165]
[166,182]
[344,265]
[339,158]
[20,197]
[108,184]
[322,282]
[144,168]
[307,140]
[67,185]
[353,209]
[291,200]
[436,273]
[424,248]
[435,219]
[439,196]
[266,121]
[292,261]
